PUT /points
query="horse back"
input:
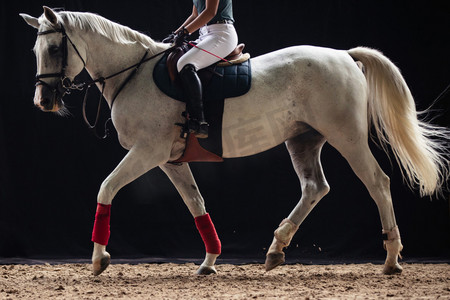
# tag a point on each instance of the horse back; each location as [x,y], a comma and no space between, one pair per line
[293,90]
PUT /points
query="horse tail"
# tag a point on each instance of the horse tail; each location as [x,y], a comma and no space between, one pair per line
[420,148]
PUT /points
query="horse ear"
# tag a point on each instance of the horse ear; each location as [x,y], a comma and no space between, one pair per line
[50,15]
[32,21]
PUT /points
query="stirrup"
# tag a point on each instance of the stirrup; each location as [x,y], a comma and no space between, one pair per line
[199,129]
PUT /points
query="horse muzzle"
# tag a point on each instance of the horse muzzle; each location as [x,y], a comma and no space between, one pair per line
[48,98]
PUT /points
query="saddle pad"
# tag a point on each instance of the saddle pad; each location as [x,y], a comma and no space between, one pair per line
[226,82]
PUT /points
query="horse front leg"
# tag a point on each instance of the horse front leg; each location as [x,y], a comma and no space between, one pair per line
[182,179]
[138,161]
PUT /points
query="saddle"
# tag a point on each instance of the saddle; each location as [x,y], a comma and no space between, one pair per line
[235,57]
[219,81]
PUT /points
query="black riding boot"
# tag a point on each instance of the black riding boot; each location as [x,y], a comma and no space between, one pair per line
[193,88]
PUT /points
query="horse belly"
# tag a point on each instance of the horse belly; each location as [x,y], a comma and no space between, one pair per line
[258,133]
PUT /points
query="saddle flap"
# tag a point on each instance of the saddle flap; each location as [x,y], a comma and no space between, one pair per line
[172,60]
[194,152]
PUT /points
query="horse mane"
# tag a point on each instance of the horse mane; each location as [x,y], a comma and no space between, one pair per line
[115,32]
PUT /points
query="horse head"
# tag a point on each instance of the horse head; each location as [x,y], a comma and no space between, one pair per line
[57,63]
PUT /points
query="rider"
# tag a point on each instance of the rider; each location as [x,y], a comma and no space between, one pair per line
[217,35]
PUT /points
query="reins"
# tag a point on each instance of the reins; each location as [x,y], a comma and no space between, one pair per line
[102,80]
[67,84]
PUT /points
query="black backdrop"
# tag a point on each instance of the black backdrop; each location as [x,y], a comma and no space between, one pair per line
[51,167]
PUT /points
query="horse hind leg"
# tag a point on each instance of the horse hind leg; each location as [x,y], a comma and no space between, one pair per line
[365,166]
[305,152]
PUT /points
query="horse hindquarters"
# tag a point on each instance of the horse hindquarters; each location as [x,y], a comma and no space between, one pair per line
[338,111]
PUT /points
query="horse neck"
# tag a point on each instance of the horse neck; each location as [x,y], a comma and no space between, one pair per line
[106,57]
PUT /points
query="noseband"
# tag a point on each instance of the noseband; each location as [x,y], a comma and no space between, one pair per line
[65,84]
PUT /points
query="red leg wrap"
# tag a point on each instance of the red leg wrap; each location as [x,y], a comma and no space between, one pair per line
[209,235]
[100,234]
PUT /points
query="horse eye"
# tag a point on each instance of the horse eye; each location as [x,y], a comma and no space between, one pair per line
[53,49]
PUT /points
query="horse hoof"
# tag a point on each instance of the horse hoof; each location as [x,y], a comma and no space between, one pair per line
[273,260]
[101,264]
[391,270]
[205,270]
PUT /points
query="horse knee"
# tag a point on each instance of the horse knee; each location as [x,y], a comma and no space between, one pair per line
[106,193]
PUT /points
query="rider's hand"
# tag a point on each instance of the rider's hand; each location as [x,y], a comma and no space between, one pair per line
[170,38]
[180,37]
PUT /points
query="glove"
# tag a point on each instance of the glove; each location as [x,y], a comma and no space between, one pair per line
[170,38]
[180,37]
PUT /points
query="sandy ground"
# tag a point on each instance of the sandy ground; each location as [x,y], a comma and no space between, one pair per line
[177,281]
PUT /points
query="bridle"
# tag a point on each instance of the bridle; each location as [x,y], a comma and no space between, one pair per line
[65,84]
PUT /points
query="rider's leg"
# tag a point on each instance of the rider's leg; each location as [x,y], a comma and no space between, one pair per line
[193,88]
[217,39]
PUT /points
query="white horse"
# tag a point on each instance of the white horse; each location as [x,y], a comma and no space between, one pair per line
[301,96]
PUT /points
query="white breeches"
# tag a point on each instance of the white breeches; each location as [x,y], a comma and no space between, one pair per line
[219,39]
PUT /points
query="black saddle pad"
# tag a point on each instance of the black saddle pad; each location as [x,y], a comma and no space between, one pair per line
[226,82]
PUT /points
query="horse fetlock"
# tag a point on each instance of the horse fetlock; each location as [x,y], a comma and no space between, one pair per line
[393,246]
[99,251]
[210,259]
[392,240]
[285,232]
